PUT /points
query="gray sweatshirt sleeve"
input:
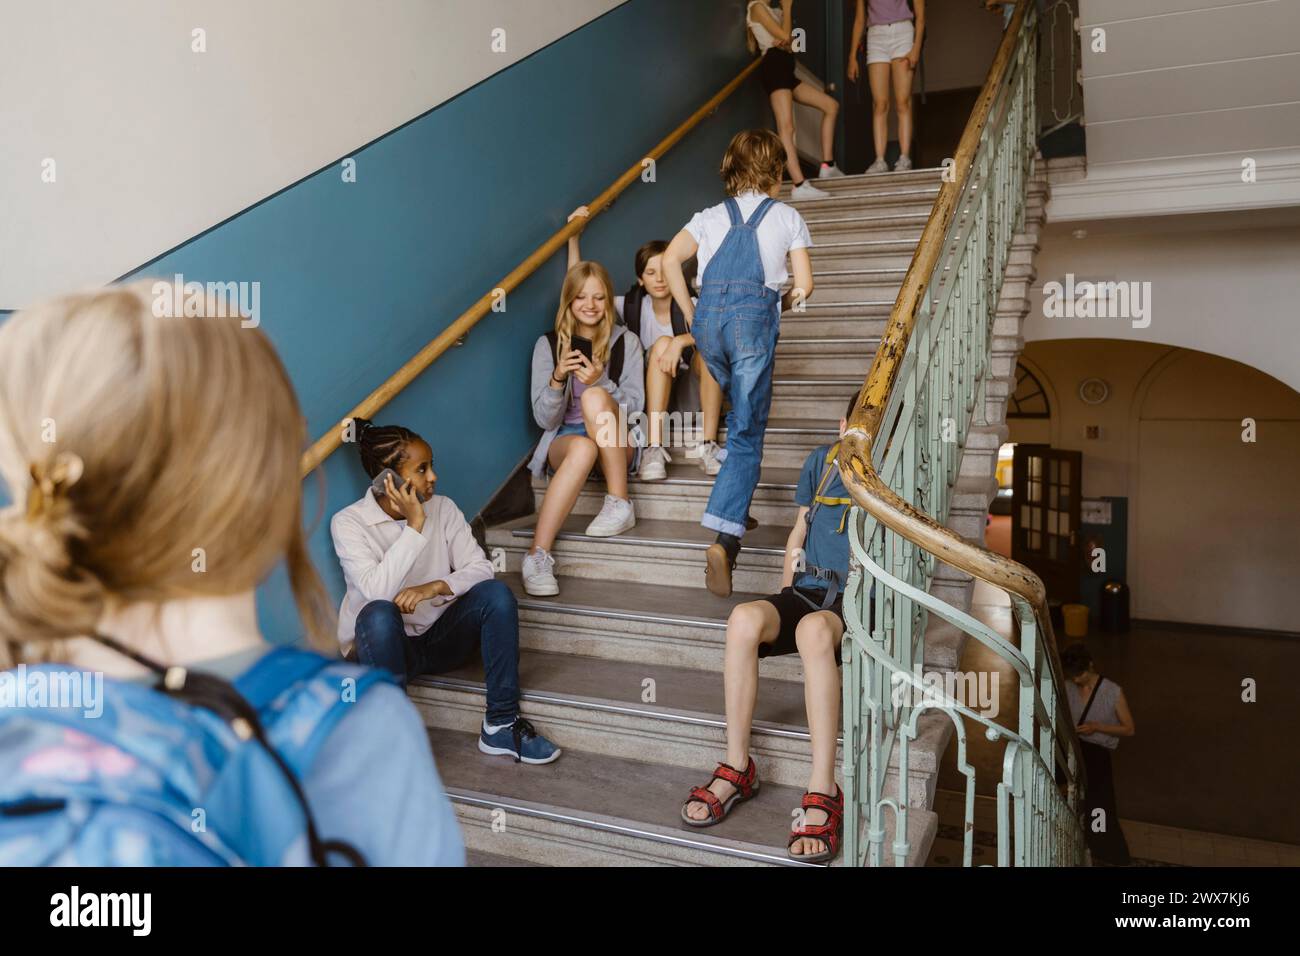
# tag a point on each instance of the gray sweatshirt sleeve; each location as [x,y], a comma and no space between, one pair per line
[548,403]
[630,390]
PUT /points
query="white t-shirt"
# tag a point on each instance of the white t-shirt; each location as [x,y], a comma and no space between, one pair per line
[651,329]
[781,230]
[764,39]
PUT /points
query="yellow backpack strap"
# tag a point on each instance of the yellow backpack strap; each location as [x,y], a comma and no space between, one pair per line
[821,499]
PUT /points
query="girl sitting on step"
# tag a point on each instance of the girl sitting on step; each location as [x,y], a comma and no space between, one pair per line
[422,597]
[587,382]
[806,617]
[649,311]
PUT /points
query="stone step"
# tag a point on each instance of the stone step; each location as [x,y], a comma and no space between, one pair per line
[843,252]
[913,178]
[844,356]
[909,198]
[654,552]
[854,285]
[813,396]
[651,624]
[838,321]
[594,810]
[848,225]
[683,494]
[598,706]
[786,443]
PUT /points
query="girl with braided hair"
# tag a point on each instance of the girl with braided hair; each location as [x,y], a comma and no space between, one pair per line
[421,595]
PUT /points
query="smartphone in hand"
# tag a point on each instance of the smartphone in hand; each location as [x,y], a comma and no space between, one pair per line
[582,345]
[377,486]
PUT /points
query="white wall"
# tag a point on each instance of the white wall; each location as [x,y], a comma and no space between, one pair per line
[153,142]
[1216,285]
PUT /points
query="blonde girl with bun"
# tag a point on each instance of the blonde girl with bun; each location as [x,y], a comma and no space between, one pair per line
[153,466]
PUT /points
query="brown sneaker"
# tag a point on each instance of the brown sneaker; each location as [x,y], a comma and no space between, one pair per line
[717,571]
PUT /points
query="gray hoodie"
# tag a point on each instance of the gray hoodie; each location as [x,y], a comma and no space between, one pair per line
[549,403]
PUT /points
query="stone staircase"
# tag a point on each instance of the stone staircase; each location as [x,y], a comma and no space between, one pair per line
[623,668]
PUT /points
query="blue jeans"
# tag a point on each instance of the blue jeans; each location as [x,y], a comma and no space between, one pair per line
[738,344]
[484,617]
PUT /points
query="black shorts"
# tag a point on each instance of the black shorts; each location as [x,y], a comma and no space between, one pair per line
[776,72]
[792,609]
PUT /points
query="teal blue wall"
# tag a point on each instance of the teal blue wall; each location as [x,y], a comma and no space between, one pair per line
[355,277]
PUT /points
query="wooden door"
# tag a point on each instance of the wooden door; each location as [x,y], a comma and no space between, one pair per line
[1045,511]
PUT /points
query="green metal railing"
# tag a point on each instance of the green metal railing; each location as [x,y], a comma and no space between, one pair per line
[900,459]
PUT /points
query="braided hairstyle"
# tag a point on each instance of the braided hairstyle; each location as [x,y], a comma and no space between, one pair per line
[382,446]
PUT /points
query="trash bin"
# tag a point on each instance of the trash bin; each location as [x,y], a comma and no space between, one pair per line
[1076,620]
[1114,607]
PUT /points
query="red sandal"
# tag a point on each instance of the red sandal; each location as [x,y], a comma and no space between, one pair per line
[828,832]
[746,785]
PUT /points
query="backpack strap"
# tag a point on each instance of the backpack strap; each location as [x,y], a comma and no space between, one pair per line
[553,340]
[301,697]
[617,355]
[632,308]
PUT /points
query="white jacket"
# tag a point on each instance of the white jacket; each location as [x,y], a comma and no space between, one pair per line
[382,555]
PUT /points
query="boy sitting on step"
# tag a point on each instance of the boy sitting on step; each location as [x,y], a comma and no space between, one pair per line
[742,246]
[421,596]
[807,616]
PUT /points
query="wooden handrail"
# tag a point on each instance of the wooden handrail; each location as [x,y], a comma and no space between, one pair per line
[865,485]
[329,442]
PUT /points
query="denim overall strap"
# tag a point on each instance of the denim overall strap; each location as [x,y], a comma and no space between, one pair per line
[757,215]
[733,211]
[736,325]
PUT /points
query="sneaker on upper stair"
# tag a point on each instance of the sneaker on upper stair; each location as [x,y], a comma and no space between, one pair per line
[654,461]
[829,172]
[519,740]
[710,462]
[879,166]
[539,575]
[806,190]
[616,516]
[904,163]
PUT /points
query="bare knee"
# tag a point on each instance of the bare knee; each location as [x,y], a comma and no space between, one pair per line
[815,638]
[582,453]
[596,400]
[880,106]
[745,624]
[904,106]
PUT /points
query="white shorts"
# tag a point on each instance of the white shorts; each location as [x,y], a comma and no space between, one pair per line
[889,41]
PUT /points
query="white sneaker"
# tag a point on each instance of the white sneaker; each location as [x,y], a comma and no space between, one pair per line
[829,172]
[710,463]
[879,166]
[904,163]
[539,579]
[616,516]
[653,460]
[806,190]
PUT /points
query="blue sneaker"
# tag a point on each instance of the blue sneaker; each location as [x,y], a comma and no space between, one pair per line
[521,741]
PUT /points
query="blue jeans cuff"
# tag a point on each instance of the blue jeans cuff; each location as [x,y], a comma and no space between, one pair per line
[714,523]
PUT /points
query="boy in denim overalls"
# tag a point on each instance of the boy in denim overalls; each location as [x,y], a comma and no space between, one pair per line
[742,246]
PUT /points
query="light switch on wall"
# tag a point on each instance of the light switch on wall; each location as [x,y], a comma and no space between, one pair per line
[1092,431]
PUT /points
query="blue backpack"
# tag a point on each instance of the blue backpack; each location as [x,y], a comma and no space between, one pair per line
[193,772]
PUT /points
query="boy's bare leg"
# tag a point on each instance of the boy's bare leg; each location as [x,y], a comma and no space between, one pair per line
[710,397]
[572,458]
[658,386]
[748,626]
[816,637]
